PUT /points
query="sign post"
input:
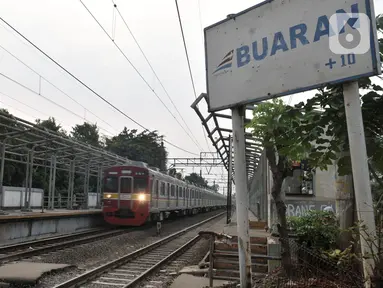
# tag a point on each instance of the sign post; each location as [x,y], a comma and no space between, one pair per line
[278,48]
[242,196]
[229,180]
[360,171]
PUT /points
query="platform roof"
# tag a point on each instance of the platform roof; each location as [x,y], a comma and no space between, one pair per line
[219,133]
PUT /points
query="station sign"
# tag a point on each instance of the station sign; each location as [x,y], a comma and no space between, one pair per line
[281,47]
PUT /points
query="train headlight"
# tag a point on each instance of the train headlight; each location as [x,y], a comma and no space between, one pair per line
[108,196]
[141,197]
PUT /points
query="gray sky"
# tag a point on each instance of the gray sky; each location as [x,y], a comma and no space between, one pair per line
[66,31]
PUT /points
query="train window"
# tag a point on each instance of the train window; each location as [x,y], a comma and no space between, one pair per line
[187,193]
[126,185]
[168,190]
[184,193]
[111,184]
[172,191]
[157,188]
[162,189]
[140,184]
[179,191]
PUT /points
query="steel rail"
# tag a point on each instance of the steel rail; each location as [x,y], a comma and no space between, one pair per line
[57,246]
[187,245]
[98,271]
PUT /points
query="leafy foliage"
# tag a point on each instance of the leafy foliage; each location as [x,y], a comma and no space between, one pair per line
[144,146]
[316,229]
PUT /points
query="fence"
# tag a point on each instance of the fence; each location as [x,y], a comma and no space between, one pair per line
[312,269]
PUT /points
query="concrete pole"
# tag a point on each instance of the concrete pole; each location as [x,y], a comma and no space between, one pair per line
[86,185]
[242,198]
[2,163]
[360,171]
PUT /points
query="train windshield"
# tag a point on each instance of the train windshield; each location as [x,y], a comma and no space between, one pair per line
[140,184]
[111,184]
[126,185]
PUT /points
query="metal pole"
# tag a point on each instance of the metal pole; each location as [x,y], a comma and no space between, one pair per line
[53,183]
[360,171]
[2,163]
[26,185]
[69,197]
[242,199]
[86,185]
[30,178]
[211,260]
[50,184]
[229,175]
[99,184]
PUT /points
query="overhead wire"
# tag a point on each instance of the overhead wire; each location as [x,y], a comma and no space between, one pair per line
[151,67]
[138,72]
[86,86]
[53,85]
[47,99]
[189,66]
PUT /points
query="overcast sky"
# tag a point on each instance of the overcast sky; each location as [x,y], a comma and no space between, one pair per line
[65,31]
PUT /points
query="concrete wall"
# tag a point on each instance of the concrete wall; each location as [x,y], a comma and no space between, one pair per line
[325,191]
[31,229]
[14,197]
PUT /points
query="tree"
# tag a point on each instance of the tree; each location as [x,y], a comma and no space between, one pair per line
[196,179]
[145,146]
[87,133]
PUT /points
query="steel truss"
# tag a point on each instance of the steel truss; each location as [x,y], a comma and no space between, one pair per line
[220,137]
[26,143]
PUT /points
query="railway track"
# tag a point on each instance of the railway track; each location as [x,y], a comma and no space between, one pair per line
[130,269]
[31,248]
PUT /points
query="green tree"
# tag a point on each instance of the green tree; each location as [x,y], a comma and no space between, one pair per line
[145,146]
[87,133]
[196,179]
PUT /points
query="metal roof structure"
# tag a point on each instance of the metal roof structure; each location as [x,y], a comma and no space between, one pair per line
[219,137]
[21,136]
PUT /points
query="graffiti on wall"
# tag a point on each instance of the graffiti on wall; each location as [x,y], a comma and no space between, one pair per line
[299,208]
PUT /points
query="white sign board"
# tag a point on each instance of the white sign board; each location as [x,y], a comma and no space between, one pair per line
[282,47]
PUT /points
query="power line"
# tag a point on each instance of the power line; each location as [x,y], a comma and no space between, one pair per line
[188,61]
[86,86]
[49,100]
[46,80]
[151,67]
[138,72]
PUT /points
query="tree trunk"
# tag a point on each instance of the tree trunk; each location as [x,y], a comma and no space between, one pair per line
[279,172]
[282,219]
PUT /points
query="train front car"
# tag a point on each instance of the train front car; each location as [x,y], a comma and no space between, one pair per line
[126,195]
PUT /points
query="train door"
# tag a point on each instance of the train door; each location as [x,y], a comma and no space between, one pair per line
[185,197]
[125,190]
[157,189]
[154,193]
[177,195]
[168,194]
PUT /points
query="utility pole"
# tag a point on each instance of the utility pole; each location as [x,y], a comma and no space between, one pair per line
[242,199]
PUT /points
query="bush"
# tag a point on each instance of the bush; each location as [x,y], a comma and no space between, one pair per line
[318,230]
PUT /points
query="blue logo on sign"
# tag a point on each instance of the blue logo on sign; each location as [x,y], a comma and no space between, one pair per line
[226,63]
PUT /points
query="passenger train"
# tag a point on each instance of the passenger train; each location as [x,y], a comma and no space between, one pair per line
[135,194]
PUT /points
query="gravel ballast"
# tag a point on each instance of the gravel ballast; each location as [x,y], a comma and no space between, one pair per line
[90,255]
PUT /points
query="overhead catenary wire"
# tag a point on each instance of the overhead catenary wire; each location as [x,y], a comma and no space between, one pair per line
[47,99]
[115,7]
[189,66]
[138,72]
[86,86]
[53,85]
